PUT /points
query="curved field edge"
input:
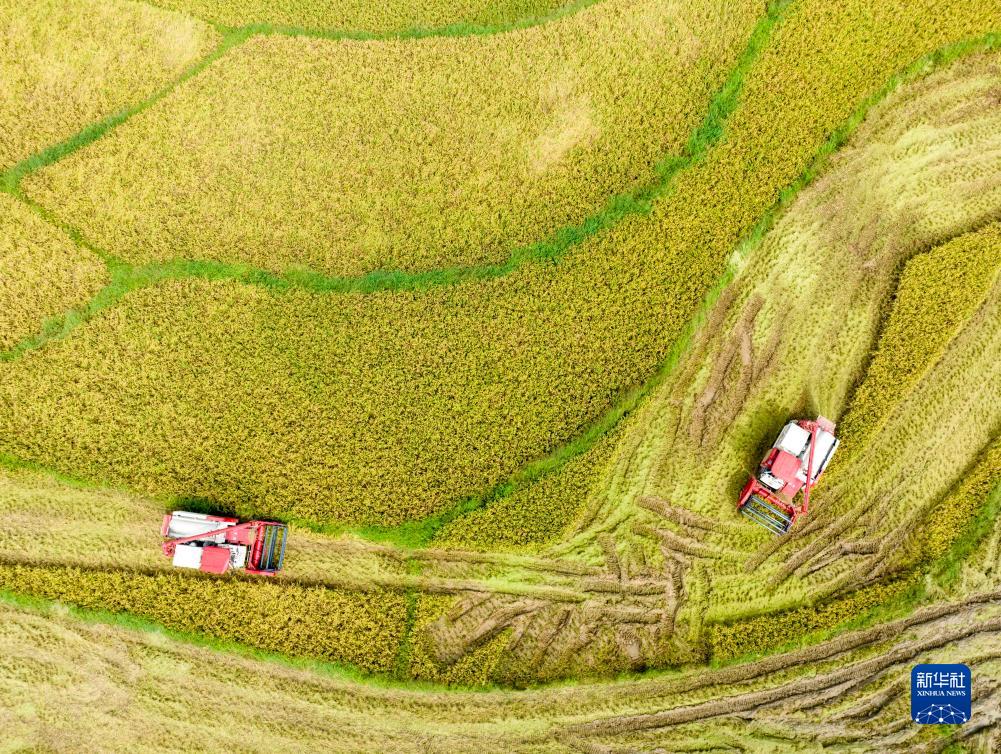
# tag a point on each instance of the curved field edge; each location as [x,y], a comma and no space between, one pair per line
[311,620]
[958,275]
[946,186]
[915,334]
[604,209]
[651,702]
[523,14]
[41,272]
[65,64]
[421,532]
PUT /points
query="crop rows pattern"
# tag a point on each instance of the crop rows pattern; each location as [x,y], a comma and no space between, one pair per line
[501,339]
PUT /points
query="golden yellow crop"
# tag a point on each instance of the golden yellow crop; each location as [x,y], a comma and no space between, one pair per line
[42,273]
[268,402]
[285,400]
[791,337]
[67,63]
[937,295]
[950,518]
[361,628]
[386,407]
[475,669]
[348,156]
[81,682]
[534,514]
[363,17]
[760,634]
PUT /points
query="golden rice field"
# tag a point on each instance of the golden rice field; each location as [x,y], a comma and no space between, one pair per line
[342,166]
[65,64]
[394,17]
[497,306]
[42,273]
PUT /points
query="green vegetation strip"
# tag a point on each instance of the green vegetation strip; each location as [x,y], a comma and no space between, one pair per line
[548,250]
[10,180]
[419,533]
[233,36]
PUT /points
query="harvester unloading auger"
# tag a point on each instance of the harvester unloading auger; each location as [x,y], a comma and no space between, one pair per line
[214,543]
[796,460]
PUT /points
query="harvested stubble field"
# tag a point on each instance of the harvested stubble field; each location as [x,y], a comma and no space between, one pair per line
[498,305]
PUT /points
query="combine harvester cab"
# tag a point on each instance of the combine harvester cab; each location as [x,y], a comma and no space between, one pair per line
[799,456]
[215,544]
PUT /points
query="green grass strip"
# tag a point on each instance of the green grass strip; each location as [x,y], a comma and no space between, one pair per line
[419,533]
[418,32]
[10,181]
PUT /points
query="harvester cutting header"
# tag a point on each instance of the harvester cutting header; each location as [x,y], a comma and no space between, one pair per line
[799,456]
[214,543]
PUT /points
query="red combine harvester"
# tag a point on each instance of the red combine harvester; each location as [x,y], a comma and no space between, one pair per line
[214,544]
[796,460]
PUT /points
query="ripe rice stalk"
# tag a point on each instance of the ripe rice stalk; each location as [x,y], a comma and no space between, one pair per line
[262,438]
[354,18]
[488,144]
[68,63]
[42,273]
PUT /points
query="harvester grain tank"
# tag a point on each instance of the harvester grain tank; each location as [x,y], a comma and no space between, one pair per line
[215,544]
[795,462]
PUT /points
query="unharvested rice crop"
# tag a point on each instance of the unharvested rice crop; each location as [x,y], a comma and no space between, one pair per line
[340,164]
[757,635]
[475,669]
[67,63]
[337,403]
[535,513]
[269,402]
[360,628]
[390,406]
[360,17]
[42,273]
[790,338]
[950,519]
[938,293]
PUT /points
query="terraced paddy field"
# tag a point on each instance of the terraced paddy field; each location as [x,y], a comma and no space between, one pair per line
[498,306]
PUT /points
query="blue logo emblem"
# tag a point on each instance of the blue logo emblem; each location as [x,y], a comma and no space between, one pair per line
[941,694]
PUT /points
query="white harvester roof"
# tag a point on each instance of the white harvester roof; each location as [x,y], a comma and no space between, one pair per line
[793,439]
[188,556]
[184,524]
